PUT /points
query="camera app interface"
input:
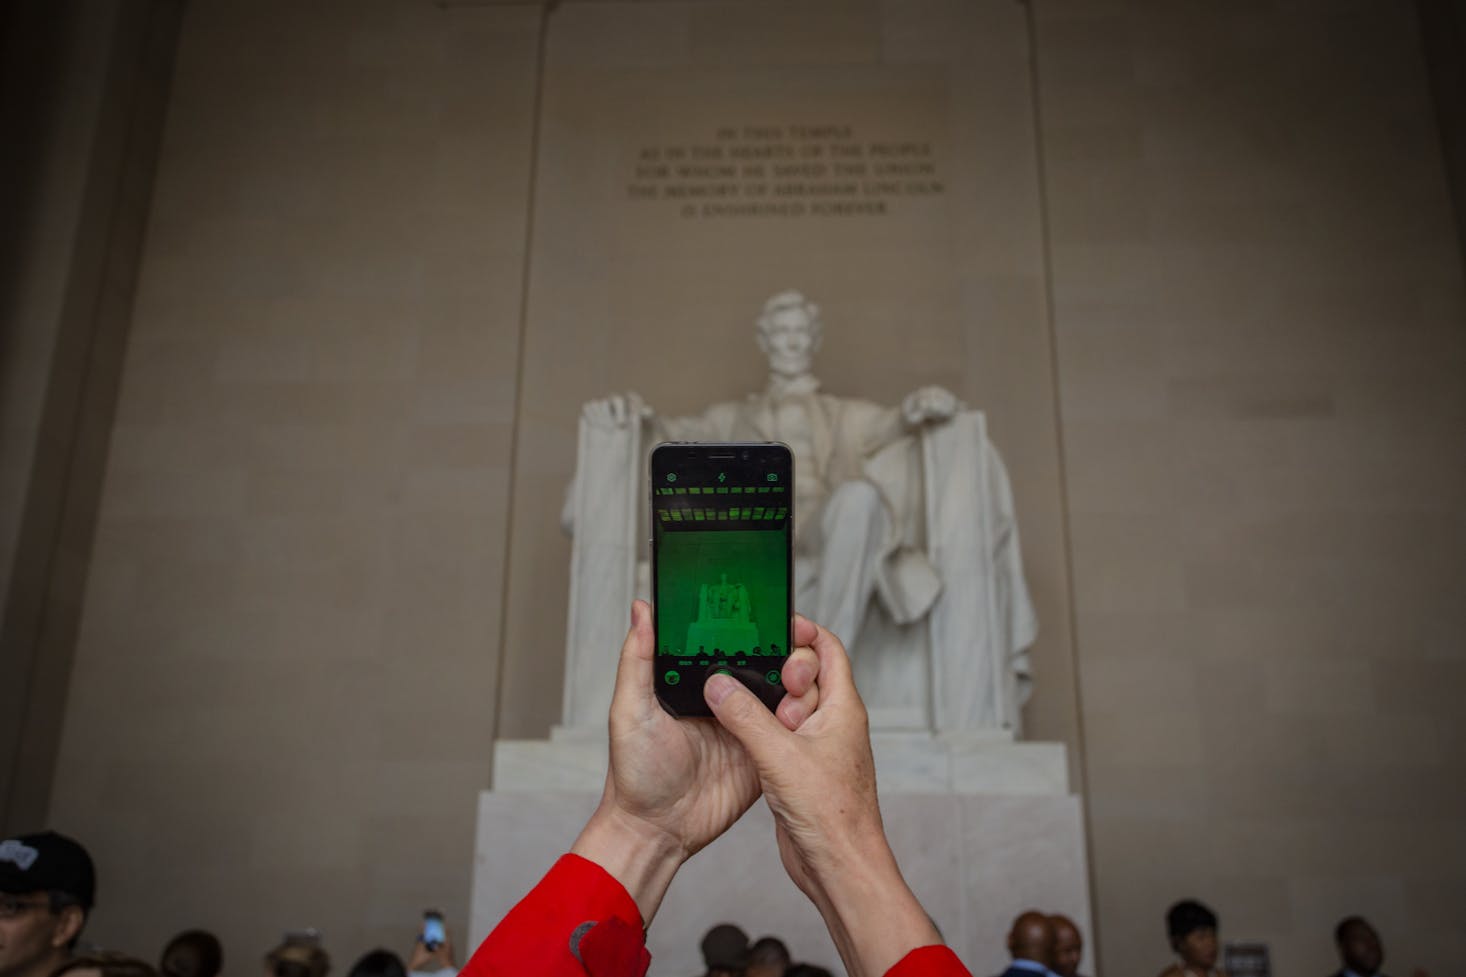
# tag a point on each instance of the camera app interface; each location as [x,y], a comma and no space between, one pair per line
[722,587]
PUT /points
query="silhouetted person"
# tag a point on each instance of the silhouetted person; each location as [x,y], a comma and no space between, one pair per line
[378,963]
[770,958]
[1031,942]
[105,965]
[1360,949]
[1192,929]
[1068,946]
[192,953]
[725,951]
[297,958]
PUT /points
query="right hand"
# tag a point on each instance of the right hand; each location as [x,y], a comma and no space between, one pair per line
[673,785]
[615,411]
[818,774]
[430,961]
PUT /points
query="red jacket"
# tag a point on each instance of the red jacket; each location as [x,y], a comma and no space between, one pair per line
[579,921]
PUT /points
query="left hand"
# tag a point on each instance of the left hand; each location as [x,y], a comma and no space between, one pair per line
[929,404]
[673,785]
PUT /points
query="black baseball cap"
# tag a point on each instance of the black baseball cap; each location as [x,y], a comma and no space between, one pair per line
[47,862]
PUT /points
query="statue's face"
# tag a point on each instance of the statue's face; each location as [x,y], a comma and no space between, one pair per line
[789,340]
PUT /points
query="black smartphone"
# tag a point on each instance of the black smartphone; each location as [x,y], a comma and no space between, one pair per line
[433,934]
[722,568]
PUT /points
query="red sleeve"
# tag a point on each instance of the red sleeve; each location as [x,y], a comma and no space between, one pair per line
[577,921]
[929,961]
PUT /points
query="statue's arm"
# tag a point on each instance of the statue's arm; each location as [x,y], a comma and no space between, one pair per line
[607,415]
[929,405]
[616,411]
[879,426]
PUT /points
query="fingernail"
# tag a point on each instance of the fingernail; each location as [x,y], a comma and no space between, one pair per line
[793,713]
[718,688]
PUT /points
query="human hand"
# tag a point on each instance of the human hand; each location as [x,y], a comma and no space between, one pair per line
[615,411]
[818,776]
[929,404]
[431,961]
[673,785]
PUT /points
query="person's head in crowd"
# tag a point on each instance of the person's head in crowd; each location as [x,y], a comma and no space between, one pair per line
[379,963]
[1359,945]
[1068,946]
[104,965]
[1192,929]
[297,958]
[192,953]
[47,884]
[725,951]
[807,970]
[1032,938]
[769,957]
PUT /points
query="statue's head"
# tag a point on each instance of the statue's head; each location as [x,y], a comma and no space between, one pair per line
[789,333]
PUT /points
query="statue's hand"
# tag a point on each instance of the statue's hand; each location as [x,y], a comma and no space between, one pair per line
[929,404]
[616,411]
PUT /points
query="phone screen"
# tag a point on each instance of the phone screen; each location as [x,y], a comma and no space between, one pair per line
[433,934]
[722,551]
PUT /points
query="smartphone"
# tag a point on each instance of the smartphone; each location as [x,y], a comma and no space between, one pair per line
[433,934]
[722,517]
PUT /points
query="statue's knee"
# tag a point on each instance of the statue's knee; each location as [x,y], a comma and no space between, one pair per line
[856,500]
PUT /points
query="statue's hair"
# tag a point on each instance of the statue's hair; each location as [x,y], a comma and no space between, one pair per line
[790,299]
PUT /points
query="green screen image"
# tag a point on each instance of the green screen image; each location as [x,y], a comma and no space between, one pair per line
[723,592]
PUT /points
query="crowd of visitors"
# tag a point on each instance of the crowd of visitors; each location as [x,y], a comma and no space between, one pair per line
[811,760]
[47,888]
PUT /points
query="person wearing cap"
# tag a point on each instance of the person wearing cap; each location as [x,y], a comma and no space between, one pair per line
[673,786]
[47,884]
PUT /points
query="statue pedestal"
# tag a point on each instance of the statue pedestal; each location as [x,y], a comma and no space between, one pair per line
[983,828]
[907,763]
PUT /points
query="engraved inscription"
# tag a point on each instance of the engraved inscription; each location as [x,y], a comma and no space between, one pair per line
[783,171]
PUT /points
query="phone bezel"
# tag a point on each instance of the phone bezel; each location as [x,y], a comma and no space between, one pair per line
[685,698]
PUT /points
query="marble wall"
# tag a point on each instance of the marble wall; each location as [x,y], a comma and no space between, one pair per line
[83,89]
[1259,316]
[1220,331]
[281,709]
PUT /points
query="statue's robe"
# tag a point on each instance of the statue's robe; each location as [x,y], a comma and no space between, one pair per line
[951,654]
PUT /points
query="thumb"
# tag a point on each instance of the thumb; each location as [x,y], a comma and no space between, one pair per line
[634,670]
[741,713]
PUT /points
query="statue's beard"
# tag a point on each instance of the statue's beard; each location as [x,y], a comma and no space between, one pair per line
[791,365]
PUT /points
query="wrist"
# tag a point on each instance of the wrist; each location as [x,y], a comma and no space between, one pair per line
[873,914]
[642,857]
